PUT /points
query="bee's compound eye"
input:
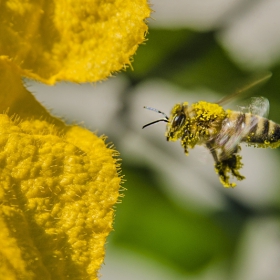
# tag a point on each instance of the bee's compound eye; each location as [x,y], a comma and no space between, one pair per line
[178,120]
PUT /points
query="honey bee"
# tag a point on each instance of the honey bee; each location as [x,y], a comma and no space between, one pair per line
[221,131]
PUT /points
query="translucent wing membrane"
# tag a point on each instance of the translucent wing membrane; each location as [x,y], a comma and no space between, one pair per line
[235,128]
[259,106]
[235,94]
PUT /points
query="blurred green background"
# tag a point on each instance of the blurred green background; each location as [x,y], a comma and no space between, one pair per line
[176,220]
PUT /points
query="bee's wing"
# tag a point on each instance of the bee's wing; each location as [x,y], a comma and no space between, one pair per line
[256,81]
[229,137]
[234,129]
[259,106]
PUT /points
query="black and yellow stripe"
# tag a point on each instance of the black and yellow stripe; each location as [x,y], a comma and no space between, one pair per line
[254,129]
[261,130]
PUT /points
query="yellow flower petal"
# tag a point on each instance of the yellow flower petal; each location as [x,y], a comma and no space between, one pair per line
[52,176]
[79,41]
[58,184]
[14,97]
[57,194]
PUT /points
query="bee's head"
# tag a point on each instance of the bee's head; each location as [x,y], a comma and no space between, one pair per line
[176,123]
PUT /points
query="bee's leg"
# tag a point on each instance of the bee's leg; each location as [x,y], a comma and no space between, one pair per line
[186,150]
[212,151]
[221,167]
[232,164]
[185,145]
[221,170]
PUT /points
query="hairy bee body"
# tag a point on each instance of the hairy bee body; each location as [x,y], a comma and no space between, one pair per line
[221,131]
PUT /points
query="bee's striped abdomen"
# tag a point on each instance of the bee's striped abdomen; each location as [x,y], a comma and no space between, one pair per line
[262,132]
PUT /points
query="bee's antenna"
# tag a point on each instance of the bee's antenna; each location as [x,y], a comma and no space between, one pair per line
[160,120]
[156,110]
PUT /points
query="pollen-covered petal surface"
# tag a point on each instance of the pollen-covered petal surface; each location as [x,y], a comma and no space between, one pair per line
[79,41]
[56,196]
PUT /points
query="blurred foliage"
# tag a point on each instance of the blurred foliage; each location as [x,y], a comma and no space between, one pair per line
[190,59]
[182,238]
[186,58]
[147,220]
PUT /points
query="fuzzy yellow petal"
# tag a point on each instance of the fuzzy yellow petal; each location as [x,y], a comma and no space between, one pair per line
[15,98]
[58,184]
[79,41]
[56,197]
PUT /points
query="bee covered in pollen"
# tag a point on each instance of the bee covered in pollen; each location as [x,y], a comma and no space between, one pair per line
[221,131]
